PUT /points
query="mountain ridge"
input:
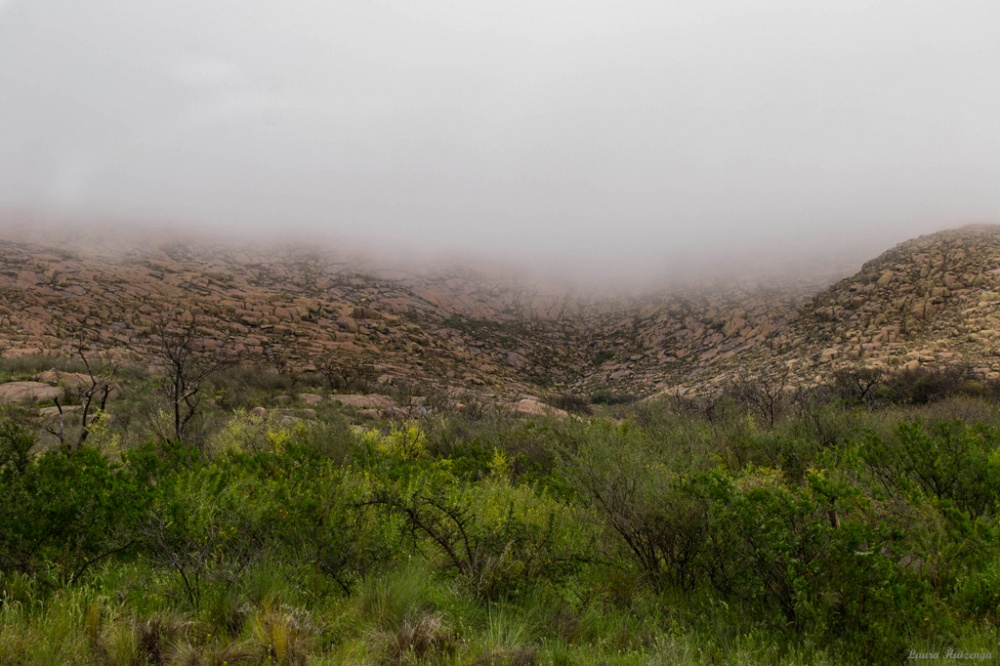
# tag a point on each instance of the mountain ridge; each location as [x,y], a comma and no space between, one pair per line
[926,302]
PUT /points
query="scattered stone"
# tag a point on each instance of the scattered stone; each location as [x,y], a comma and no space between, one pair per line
[66,379]
[828,355]
[26,393]
[938,293]
[364,401]
[51,414]
[532,407]
[310,398]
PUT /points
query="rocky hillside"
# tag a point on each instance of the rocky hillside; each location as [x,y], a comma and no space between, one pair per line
[929,301]
[307,309]
[289,308]
[683,336]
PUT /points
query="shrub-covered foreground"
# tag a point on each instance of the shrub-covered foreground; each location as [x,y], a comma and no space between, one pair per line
[839,535]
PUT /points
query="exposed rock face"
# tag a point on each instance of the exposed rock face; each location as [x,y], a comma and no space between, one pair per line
[533,407]
[66,379]
[54,414]
[928,302]
[364,401]
[932,300]
[28,393]
[310,399]
[308,310]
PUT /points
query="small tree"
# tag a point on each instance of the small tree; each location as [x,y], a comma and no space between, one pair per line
[347,374]
[858,385]
[93,389]
[188,358]
[765,396]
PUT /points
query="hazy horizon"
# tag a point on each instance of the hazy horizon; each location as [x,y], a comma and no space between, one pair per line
[598,141]
[808,265]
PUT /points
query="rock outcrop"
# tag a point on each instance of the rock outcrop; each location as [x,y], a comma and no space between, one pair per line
[930,301]
[534,407]
[28,393]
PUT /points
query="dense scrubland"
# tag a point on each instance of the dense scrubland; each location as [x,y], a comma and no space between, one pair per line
[852,523]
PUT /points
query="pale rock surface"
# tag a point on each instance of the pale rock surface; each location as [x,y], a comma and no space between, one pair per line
[27,393]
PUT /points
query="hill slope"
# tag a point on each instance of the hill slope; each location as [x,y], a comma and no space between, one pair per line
[929,301]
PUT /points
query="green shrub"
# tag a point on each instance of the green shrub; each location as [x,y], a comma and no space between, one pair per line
[616,471]
[64,511]
[689,532]
[812,559]
[950,461]
[204,525]
[495,536]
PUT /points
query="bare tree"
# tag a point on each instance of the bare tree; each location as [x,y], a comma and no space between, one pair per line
[282,358]
[188,358]
[93,388]
[347,374]
[764,395]
[858,385]
[409,397]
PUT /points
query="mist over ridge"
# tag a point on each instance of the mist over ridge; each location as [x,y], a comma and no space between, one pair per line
[608,142]
[814,261]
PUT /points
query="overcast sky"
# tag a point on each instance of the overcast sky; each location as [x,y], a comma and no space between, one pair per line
[588,130]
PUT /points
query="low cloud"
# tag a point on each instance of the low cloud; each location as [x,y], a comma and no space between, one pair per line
[605,141]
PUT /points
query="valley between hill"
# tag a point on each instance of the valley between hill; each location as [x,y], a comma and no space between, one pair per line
[928,302]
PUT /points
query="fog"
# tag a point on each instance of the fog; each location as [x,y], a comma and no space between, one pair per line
[611,140]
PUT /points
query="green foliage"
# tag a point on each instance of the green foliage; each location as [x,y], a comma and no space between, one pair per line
[811,554]
[604,396]
[686,533]
[813,559]
[16,442]
[950,461]
[403,443]
[205,525]
[497,537]
[63,511]
[616,471]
